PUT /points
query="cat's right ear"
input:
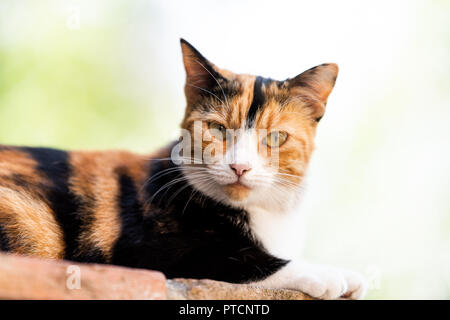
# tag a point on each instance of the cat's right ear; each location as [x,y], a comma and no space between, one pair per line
[201,75]
[315,84]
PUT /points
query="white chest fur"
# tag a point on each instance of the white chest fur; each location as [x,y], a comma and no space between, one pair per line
[281,233]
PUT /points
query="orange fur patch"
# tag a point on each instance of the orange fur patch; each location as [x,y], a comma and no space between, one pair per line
[95,176]
[24,214]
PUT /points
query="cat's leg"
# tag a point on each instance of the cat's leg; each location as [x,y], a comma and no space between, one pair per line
[318,281]
[28,225]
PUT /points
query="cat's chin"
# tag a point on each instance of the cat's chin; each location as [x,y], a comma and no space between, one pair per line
[234,194]
[237,192]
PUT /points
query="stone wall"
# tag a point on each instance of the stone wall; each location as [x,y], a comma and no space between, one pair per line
[33,278]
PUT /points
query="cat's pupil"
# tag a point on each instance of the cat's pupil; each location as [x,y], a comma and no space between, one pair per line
[275,137]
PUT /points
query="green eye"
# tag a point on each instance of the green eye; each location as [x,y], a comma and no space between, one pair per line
[219,127]
[275,139]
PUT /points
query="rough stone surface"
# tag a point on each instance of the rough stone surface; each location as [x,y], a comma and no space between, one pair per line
[191,289]
[32,278]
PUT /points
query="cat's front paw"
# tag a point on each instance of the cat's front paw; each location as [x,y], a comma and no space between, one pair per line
[330,283]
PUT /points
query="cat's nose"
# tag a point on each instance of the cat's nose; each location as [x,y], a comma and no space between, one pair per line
[240,169]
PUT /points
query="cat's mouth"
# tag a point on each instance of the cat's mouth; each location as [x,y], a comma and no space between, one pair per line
[237,191]
[239,184]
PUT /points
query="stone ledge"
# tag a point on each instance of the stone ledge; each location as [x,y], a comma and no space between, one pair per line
[192,289]
[34,278]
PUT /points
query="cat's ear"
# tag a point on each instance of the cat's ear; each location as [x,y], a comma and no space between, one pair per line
[201,75]
[315,85]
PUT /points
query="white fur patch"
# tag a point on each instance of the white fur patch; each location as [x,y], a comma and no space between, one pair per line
[318,281]
[281,233]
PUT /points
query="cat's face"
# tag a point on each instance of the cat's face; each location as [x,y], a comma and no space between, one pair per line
[260,132]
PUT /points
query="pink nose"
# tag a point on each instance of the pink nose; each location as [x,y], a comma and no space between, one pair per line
[240,169]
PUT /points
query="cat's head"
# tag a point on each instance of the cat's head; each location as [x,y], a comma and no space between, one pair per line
[260,132]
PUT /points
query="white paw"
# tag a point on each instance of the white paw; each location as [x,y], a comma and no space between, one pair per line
[330,283]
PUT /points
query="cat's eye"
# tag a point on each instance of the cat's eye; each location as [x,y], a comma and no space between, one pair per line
[218,127]
[275,139]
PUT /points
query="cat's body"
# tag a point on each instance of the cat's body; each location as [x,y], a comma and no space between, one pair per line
[234,221]
[94,207]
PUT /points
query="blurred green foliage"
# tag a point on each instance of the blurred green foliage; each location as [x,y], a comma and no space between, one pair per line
[71,87]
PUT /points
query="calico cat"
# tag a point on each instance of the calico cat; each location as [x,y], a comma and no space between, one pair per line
[233,218]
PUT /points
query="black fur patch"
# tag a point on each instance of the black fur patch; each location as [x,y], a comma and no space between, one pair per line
[259,99]
[67,207]
[126,250]
[4,244]
[188,235]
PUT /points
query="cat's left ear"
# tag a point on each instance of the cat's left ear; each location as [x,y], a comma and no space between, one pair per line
[315,85]
[201,74]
